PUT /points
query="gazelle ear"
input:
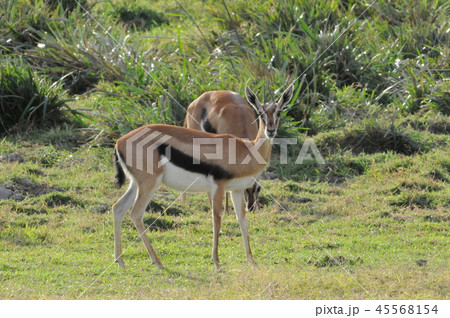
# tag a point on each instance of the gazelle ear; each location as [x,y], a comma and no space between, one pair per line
[286,97]
[253,100]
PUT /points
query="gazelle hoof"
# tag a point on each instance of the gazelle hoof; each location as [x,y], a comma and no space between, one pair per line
[220,269]
[253,263]
[218,266]
[159,265]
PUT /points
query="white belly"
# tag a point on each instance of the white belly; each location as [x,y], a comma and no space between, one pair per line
[240,183]
[183,180]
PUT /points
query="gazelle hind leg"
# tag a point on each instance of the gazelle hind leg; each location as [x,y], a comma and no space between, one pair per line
[238,202]
[119,209]
[217,199]
[145,193]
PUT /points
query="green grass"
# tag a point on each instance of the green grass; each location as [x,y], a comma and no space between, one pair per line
[377,225]
[372,91]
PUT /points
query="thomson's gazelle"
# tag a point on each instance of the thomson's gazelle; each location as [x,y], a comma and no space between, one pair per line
[179,158]
[225,112]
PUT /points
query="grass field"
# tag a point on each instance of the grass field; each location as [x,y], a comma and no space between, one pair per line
[372,92]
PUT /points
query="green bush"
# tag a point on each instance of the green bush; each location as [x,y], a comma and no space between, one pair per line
[369,137]
[28,98]
[124,107]
[81,57]
[67,5]
[20,23]
[140,18]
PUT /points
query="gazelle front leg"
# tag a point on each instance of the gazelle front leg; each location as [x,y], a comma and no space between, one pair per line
[238,202]
[217,199]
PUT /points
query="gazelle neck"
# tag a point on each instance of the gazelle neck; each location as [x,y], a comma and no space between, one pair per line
[265,149]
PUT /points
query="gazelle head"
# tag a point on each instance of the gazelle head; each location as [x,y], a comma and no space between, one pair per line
[251,196]
[270,112]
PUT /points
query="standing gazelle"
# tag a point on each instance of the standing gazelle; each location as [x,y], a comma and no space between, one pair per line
[225,112]
[188,167]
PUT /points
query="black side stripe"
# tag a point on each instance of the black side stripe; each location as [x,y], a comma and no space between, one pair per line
[186,162]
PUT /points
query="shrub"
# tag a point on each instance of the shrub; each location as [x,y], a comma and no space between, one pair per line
[317,42]
[418,26]
[124,107]
[140,18]
[20,22]
[430,120]
[28,98]
[66,5]
[369,137]
[81,57]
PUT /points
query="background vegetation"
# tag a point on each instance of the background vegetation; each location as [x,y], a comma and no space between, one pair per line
[372,90]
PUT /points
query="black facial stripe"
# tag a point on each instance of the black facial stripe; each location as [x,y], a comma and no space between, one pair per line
[264,118]
[186,162]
